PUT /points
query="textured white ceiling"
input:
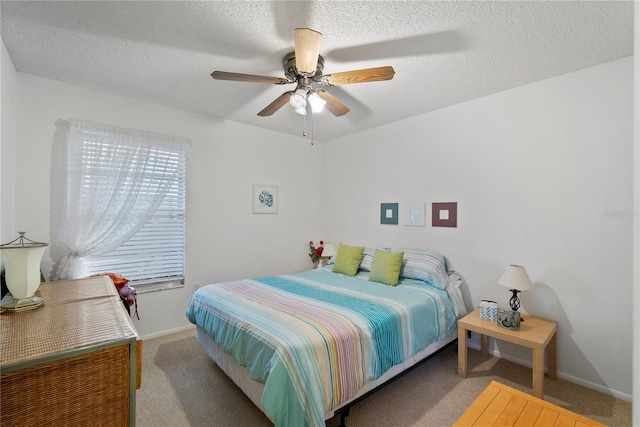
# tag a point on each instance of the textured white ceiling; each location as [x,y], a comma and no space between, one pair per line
[443,52]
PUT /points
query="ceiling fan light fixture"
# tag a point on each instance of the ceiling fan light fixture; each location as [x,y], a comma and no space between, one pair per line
[317,103]
[305,66]
[298,99]
[301,111]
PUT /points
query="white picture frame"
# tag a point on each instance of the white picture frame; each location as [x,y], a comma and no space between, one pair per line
[265,199]
[412,214]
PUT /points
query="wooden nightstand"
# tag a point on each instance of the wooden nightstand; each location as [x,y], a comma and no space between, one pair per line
[535,333]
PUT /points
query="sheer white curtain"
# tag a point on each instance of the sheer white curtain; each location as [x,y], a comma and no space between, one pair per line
[106,184]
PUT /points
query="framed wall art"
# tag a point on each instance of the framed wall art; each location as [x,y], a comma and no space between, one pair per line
[412,214]
[265,199]
[444,214]
[389,213]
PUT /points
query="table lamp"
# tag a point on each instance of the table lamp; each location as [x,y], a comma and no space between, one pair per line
[515,278]
[329,250]
[22,273]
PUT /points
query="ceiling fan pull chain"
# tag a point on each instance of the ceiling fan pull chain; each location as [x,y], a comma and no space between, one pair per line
[304,125]
[311,126]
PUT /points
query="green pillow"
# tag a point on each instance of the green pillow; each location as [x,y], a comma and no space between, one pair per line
[348,259]
[386,267]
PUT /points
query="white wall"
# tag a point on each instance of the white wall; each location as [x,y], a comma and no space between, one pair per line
[224,239]
[534,169]
[8,84]
[636,234]
[543,177]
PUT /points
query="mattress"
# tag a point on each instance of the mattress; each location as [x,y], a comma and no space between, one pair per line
[316,340]
[253,390]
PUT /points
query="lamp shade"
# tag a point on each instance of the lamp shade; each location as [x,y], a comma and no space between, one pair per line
[329,250]
[515,277]
[22,267]
[22,272]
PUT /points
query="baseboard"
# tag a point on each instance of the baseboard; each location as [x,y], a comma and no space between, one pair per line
[606,390]
[167,332]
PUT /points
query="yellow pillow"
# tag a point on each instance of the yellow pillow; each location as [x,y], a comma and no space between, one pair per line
[348,259]
[386,267]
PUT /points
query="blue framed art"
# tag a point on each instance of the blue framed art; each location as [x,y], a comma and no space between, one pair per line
[389,213]
[265,199]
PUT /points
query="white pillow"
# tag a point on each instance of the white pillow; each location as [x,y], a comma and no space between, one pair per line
[453,289]
[430,267]
[367,258]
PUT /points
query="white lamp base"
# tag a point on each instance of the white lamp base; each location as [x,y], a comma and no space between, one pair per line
[9,303]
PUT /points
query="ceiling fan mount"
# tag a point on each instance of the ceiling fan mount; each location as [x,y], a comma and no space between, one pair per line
[292,72]
[305,66]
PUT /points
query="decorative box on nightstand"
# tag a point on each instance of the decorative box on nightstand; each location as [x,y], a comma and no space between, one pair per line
[508,319]
[488,310]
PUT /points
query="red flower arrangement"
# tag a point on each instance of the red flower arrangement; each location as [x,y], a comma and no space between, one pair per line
[315,253]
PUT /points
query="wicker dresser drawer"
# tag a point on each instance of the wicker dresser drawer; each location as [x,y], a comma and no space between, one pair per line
[72,361]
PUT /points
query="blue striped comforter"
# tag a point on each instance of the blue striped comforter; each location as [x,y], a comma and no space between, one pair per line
[315,338]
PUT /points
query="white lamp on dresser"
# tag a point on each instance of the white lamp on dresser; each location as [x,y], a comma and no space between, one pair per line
[21,258]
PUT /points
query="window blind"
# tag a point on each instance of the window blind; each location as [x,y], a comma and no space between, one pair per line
[155,253]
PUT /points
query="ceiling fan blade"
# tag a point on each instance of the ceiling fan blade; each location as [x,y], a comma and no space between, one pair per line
[422,44]
[334,105]
[307,49]
[237,77]
[276,105]
[358,76]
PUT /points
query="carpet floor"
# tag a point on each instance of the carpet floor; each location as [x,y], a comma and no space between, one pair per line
[181,386]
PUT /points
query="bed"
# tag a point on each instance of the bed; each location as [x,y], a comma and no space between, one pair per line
[304,346]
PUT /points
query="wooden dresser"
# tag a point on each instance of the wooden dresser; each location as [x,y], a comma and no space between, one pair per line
[73,361]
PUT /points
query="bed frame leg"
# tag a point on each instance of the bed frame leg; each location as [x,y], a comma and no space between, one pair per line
[343,414]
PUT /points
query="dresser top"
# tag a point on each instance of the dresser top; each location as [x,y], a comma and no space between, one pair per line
[76,314]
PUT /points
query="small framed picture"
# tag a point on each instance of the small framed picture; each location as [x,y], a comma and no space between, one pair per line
[265,199]
[389,213]
[412,214]
[444,214]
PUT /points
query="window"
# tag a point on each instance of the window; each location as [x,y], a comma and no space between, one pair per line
[155,254]
[120,206]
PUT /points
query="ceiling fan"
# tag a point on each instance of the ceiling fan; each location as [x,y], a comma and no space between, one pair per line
[304,67]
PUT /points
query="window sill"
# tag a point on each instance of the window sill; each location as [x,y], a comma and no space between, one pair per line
[155,287]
